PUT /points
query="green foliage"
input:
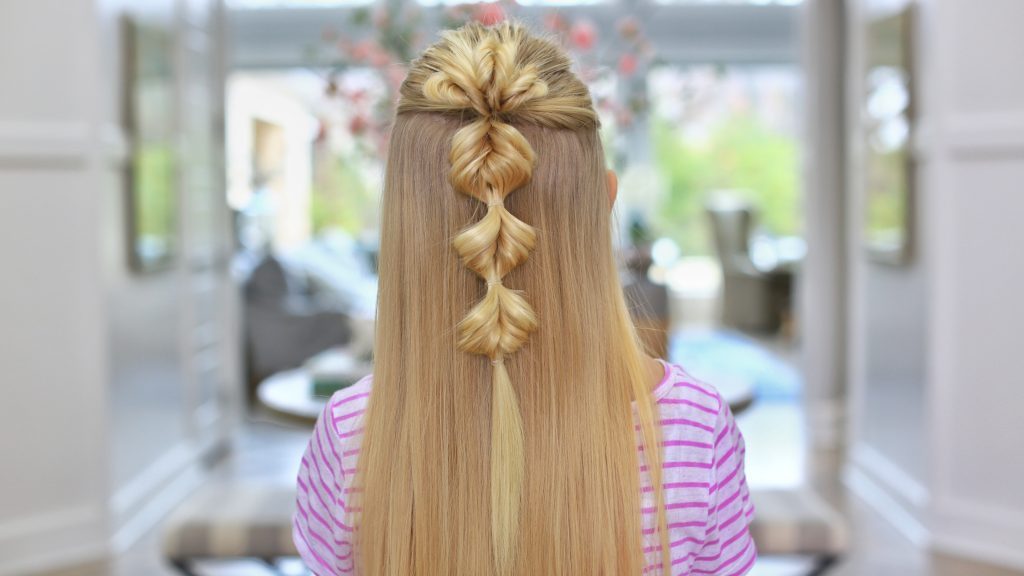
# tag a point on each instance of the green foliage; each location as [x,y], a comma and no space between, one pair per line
[154,202]
[739,154]
[343,199]
[886,205]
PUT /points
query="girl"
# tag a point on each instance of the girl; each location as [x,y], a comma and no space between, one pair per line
[513,424]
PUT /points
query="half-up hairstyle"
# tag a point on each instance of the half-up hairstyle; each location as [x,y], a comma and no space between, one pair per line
[536,471]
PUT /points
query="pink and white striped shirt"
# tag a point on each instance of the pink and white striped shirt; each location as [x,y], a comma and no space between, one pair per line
[707,502]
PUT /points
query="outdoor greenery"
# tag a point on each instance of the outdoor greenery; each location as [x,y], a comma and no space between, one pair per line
[739,154]
[342,198]
[154,204]
[886,205]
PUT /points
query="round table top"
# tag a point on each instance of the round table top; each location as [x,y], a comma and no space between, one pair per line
[290,393]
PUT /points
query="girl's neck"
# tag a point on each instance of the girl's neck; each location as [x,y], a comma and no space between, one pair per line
[655,371]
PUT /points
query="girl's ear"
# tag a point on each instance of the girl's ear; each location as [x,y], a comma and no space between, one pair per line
[613,187]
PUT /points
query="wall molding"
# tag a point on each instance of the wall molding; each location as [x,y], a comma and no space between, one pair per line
[142,502]
[970,136]
[157,507]
[62,144]
[980,532]
[985,133]
[115,143]
[52,539]
[54,144]
[139,488]
[48,521]
[890,475]
[207,415]
[895,511]
[891,492]
[979,549]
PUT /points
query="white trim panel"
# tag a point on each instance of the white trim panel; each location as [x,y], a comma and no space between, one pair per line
[52,143]
[52,539]
[986,133]
[902,517]
[61,144]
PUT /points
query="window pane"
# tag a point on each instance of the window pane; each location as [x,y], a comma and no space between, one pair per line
[725,129]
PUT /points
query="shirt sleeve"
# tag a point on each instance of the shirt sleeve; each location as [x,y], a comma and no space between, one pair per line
[728,549]
[321,536]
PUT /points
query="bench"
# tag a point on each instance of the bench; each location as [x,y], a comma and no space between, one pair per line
[797,522]
[231,520]
[238,520]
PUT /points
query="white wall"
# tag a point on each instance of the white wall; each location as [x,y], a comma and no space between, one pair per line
[52,353]
[115,384]
[938,442]
[976,183]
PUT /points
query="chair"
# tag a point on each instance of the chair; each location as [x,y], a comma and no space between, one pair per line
[285,323]
[752,299]
[226,520]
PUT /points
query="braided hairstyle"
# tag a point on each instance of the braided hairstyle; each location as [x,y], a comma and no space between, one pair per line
[491,76]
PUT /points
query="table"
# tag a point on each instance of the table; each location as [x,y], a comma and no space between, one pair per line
[289,393]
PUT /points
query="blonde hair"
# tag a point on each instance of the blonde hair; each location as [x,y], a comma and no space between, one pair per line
[499,436]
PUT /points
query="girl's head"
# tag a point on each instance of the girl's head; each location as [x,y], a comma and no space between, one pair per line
[499,434]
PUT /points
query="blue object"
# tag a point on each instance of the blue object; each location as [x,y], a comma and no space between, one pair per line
[713,354]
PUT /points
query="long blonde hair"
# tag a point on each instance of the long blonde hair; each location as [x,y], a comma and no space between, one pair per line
[499,437]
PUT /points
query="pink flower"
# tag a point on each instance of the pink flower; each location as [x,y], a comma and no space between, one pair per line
[361,51]
[358,124]
[489,13]
[627,64]
[583,35]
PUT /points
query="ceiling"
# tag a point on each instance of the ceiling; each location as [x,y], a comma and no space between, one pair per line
[279,34]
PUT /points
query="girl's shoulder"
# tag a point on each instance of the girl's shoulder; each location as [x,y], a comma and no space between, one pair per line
[346,406]
[688,402]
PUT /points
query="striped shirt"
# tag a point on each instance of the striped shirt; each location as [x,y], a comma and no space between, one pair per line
[707,503]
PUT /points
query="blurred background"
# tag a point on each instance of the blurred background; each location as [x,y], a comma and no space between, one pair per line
[819,212]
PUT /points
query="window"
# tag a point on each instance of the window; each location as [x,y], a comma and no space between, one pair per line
[725,128]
